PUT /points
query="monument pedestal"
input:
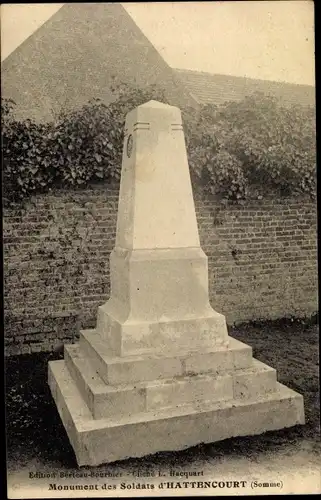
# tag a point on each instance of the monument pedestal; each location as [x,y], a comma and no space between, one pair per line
[119,407]
[160,372]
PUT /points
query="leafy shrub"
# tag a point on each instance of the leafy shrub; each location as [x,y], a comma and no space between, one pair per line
[254,146]
[81,145]
[235,150]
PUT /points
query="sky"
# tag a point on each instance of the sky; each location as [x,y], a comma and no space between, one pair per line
[267,39]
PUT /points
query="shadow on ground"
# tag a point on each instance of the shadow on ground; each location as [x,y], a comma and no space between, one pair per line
[34,429]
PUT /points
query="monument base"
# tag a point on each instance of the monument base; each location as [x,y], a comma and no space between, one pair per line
[115,408]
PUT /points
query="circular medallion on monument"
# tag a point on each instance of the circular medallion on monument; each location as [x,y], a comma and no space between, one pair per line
[129,145]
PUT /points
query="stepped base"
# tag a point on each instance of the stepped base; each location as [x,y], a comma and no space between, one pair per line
[103,440]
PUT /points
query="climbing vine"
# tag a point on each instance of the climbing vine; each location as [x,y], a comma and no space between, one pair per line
[236,150]
[254,147]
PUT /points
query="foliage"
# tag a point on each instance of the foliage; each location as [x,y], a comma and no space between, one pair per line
[81,145]
[254,146]
[238,150]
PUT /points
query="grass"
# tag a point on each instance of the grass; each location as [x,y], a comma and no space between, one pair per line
[34,429]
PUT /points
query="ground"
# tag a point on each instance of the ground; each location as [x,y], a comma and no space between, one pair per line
[35,434]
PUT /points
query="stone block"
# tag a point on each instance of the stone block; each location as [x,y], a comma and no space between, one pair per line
[173,393]
[254,382]
[215,361]
[127,369]
[241,353]
[110,439]
[164,336]
[103,400]
[94,349]
[135,368]
[144,369]
[173,336]
[155,163]
[233,357]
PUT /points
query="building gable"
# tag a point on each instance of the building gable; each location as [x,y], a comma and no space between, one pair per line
[73,57]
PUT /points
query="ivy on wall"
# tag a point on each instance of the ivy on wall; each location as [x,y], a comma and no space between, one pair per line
[237,150]
[255,146]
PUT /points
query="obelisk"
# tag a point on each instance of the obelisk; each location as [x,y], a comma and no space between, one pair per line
[159,372]
[159,276]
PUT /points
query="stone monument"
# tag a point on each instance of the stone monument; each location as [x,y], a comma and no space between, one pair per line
[159,372]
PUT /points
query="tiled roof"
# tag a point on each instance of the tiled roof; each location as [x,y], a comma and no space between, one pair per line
[77,55]
[209,88]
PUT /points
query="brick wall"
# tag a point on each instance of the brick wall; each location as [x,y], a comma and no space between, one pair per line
[262,262]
